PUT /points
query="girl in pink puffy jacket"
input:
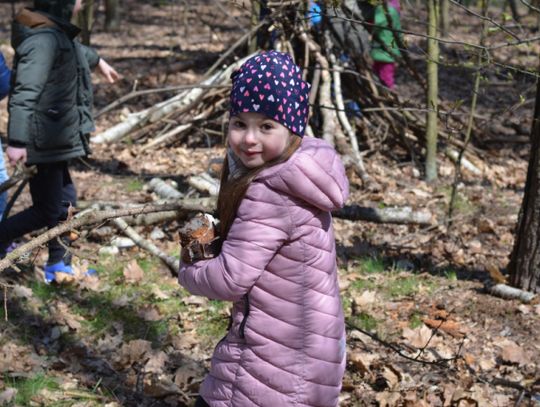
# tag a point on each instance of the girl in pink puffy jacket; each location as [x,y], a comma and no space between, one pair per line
[277,264]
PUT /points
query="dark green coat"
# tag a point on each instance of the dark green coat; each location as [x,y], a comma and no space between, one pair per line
[51,98]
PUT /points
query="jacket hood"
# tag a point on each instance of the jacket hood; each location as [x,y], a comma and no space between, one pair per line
[62,9]
[29,22]
[314,174]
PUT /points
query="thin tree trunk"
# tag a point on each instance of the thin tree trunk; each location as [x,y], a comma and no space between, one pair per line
[86,20]
[445,17]
[432,92]
[112,15]
[524,266]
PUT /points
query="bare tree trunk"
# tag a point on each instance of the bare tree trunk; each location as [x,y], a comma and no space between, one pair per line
[112,15]
[86,20]
[432,92]
[445,17]
[524,266]
[255,13]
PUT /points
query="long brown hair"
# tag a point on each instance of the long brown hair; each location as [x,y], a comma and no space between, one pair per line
[232,191]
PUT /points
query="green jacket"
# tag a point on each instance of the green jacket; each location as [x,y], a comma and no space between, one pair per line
[51,98]
[383,40]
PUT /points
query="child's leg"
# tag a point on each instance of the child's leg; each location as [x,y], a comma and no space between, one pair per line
[57,251]
[386,72]
[46,189]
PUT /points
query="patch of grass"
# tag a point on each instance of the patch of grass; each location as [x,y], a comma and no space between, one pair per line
[134,185]
[363,284]
[28,388]
[364,321]
[43,291]
[415,321]
[213,326]
[403,286]
[371,266]
[451,275]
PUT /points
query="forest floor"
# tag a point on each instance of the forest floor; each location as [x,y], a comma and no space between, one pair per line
[135,338]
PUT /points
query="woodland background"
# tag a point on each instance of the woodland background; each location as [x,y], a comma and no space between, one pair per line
[423,329]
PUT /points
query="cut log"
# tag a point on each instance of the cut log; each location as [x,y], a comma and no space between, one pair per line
[204,182]
[510,293]
[164,190]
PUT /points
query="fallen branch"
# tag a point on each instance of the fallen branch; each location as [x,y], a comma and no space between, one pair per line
[404,215]
[92,216]
[172,263]
[24,174]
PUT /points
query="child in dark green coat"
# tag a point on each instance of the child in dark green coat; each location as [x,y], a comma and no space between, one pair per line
[49,117]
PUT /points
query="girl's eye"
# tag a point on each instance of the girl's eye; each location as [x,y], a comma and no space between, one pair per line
[238,123]
[267,126]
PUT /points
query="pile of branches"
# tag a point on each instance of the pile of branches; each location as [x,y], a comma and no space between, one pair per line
[335,58]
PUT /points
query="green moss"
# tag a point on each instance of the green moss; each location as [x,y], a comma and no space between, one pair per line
[415,321]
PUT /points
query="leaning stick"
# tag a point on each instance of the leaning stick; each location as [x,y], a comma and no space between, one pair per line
[346,125]
[172,263]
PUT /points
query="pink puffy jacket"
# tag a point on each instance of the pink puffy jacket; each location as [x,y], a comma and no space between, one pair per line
[286,345]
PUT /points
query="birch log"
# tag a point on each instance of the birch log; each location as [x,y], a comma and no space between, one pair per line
[172,262]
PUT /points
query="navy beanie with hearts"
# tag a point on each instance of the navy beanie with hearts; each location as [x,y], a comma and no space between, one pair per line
[270,83]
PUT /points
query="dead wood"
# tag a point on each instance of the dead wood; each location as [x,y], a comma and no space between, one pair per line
[172,263]
[510,293]
[93,217]
[403,215]
[164,190]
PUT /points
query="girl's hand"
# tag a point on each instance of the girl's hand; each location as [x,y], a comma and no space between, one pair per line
[16,154]
[107,71]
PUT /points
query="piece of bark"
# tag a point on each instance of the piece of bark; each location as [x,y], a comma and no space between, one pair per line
[198,238]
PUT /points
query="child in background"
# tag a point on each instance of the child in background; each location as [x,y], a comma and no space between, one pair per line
[384,47]
[286,342]
[5,78]
[49,117]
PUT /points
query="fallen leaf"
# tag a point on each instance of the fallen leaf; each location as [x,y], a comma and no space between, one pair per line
[7,396]
[513,353]
[149,313]
[450,327]
[361,360]
[133,273]
[21,291]
[419,337]
[367,297]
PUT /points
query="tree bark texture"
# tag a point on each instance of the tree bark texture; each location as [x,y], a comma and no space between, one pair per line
[524,266]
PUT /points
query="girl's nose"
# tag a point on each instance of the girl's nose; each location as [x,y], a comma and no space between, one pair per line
[250,137]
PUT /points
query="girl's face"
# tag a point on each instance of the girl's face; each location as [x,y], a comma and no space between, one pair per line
[77,7]
[257,139]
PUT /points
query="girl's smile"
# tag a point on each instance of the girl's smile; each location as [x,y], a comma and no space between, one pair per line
[257,139]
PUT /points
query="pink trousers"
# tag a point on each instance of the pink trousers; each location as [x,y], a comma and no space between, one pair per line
[386,72]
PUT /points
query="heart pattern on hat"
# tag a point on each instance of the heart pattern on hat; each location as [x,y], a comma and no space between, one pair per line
[270,83]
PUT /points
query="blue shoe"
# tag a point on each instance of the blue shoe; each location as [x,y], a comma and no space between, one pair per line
[61,267]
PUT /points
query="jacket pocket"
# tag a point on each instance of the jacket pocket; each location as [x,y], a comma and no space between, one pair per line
[56,128]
